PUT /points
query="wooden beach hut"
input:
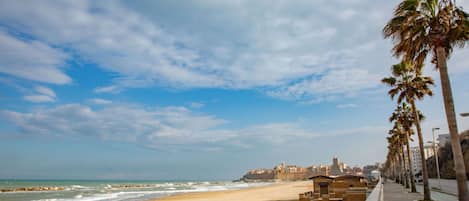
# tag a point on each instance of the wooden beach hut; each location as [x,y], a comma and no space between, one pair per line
[340,188]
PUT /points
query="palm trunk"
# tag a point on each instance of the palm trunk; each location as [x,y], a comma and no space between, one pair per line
[398,173]
[395,170]
[406,175]
[411,172]
[461,177]
[426,188]
[401,164]
[398,168]
[391,172]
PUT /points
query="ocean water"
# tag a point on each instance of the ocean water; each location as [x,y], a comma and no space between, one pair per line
[112,190]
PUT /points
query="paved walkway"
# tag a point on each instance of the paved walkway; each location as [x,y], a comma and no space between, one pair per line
[438,196]
[447,185]
[396,192]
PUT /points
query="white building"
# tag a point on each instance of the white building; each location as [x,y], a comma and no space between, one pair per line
[416,159]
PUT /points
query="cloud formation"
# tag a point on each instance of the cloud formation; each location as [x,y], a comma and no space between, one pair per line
[41,94]
[173,127]
[289,51]
[345,106]
[32,60]
[100,101]
[117,122]
[196,105]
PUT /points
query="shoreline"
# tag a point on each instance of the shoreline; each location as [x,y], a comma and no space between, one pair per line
[284,191]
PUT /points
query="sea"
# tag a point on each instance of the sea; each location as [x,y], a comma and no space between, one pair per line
[112,190]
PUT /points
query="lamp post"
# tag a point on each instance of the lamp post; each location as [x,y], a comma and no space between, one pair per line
[436,157]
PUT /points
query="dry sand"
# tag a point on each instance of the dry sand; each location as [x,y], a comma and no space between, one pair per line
[287,191]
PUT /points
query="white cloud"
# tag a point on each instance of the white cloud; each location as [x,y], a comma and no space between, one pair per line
[41,94]
[100,101]
[196,105]
[283,50]
[173,127]
[360,131]
[32,60]
[348,105]
[107,89]
[170,125]
[39,98]
[279,132]
[45,91]
[346,14]
[339,83]
[114,37]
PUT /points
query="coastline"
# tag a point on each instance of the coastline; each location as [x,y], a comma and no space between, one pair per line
[285,191]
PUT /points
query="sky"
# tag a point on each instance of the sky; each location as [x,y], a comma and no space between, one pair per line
[198,90]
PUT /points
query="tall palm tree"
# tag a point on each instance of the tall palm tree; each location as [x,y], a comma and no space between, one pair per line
[391,159]
[420,27]
[403,121]
[400,140]
[395,143]
[409,85]
[390,166]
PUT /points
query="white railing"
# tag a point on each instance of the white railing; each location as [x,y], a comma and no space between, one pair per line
[377,193]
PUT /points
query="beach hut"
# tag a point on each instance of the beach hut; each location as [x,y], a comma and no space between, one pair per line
[340,188]
[350,187]
[322,185]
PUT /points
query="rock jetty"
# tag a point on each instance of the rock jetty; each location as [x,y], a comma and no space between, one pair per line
[42,188]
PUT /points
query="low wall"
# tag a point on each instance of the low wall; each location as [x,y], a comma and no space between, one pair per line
[377,193]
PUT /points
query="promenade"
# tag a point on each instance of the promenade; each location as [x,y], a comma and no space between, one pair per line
[396,192]
[447,185]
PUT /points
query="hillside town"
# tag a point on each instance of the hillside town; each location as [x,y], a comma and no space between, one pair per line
[284,172]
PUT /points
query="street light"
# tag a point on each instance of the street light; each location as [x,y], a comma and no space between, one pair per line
[466,114]
[436,157]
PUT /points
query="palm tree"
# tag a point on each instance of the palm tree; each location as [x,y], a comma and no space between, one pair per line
[395,144]
[403,121]
[409,85]
[391,161]
[419,27]
[390,164]
[401,140]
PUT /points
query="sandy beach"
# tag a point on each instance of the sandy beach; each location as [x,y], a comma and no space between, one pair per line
[287,191]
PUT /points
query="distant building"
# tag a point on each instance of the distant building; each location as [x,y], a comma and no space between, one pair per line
[368,169]
[443,139]
[343,166]
[259,174]
[290,172]
[324,170]
[286,172]
[336,168]
[417,159]
[357,171]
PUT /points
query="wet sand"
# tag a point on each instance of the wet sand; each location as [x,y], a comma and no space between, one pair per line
[287,191]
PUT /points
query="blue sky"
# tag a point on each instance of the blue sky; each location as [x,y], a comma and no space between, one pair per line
[197,89]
